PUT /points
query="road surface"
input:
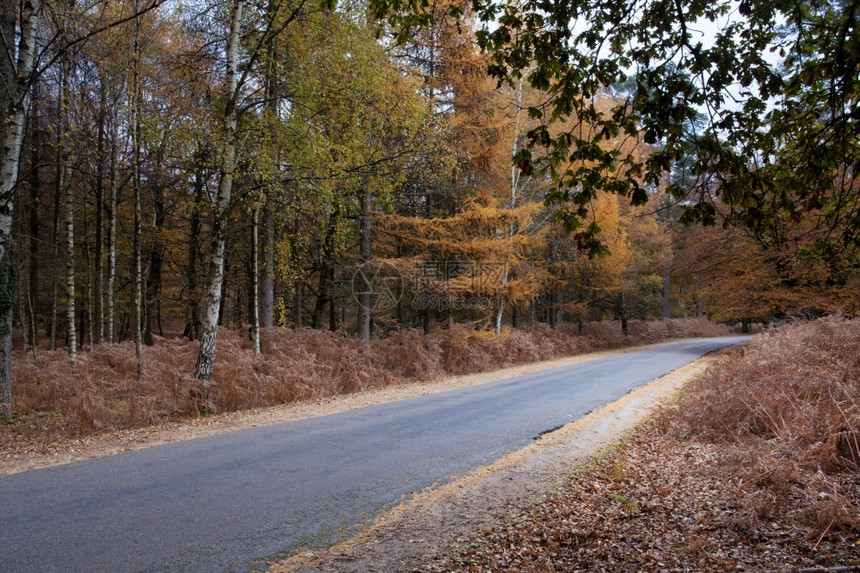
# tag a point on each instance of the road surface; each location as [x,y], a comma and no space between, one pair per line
[230,501]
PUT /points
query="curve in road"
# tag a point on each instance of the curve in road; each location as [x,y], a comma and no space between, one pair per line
[225,502]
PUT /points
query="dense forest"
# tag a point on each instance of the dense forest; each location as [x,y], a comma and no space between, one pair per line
[189,164]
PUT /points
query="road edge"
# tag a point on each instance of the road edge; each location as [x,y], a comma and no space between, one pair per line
[98,446]
[426,525]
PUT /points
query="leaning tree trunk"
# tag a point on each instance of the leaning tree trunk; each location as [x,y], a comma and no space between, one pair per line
[10,157]
[209,336]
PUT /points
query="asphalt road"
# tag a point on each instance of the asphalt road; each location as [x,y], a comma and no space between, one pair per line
[227,502]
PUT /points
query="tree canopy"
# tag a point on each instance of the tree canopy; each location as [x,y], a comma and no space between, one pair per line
[761,95]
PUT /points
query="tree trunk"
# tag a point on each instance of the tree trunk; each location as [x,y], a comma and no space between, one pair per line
[114,199]
[8,17]
[206,354]
[29,322]
[194,326]
[101,168]
[24,282]
[273,93]
[136,182]
[323,294]
[500,312]
[30,276]
[90,287]
[67,188]
[10,157]
[428,321]
[225,290]
[700,301]
[364,257]
[298,303]
[34,225]
[622,313]
[667,287]
[559,313]
[326,283]
[55,279]
[516,173]
[255,283]
[156,258]
[268,274]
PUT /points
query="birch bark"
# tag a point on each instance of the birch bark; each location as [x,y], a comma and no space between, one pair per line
[209,336]
[136,159]
[68,192]
[10,157]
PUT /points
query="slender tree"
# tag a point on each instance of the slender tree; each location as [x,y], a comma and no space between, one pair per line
[229,122]
[10,158]
[255,281]
[137,271]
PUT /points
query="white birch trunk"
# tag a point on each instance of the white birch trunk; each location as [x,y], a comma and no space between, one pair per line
[70,266]
[10,156]
[135,135]
[515,184]
[111,278]
[68,192]
[209,336]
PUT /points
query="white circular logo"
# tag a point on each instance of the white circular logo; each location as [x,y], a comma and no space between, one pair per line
[380,283]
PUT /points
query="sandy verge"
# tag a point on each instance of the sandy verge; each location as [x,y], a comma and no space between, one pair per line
[429,524]
[22,459]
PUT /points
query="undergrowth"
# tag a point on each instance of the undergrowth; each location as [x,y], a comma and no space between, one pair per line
[755,468]
[53,400]
[784,413]
[792,395]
